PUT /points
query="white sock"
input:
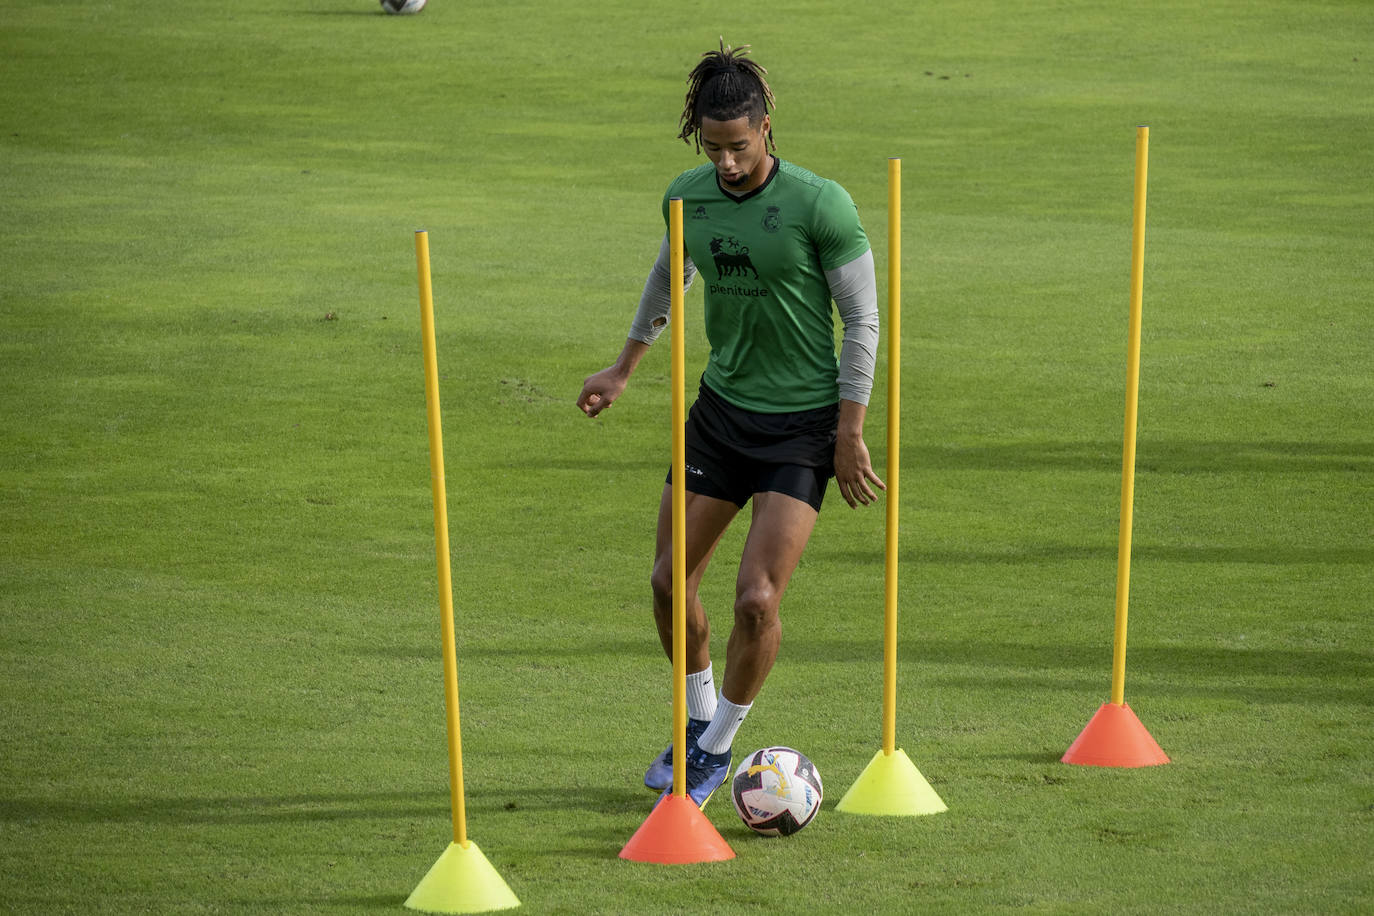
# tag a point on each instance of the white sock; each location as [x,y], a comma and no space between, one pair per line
[720,734]
[701,695]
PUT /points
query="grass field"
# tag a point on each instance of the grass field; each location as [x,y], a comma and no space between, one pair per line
[219,640]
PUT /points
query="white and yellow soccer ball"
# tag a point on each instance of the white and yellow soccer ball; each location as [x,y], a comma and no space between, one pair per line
[777,791]
[402,7]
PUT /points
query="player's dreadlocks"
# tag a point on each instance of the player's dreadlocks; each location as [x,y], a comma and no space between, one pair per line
[724,86]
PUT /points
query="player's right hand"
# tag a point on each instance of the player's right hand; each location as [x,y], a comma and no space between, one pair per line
[599,391]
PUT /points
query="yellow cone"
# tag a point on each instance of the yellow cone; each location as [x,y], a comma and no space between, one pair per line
[891,784]
[462,881]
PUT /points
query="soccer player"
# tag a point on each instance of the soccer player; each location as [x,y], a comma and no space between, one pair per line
[777,414]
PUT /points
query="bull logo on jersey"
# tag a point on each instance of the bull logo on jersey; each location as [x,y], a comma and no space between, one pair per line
[732,258]
[772,220]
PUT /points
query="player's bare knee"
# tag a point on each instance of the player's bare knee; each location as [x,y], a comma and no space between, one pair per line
[756,608]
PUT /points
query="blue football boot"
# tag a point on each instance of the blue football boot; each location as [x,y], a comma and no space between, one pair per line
[659,776]
[705,773]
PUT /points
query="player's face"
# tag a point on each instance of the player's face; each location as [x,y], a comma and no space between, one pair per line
[739,152]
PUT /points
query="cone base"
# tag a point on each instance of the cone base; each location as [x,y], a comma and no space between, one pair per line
[461,881]
[1115,737]
[676,832]
[891,785]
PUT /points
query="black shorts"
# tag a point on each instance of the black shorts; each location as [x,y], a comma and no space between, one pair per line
[734,453]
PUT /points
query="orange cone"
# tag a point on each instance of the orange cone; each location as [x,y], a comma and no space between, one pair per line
[677,833]
[1114,737]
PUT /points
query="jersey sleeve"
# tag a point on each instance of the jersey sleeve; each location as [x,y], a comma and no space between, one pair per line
[835,227]
[674,190]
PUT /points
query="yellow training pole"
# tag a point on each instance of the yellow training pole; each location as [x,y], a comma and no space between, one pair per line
[461,880]
[675,270]
[891,784]
[894,422]
[441,549]
[1123,549]
[1115,736]
[676,831]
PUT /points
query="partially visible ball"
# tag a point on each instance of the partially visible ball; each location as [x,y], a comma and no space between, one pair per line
[400,7]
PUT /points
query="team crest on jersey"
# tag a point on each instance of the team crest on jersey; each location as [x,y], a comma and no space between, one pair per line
[732,258]
[699,213]
[772,220]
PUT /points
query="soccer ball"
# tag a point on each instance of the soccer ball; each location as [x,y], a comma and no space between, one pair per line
[777,791]
[403,6]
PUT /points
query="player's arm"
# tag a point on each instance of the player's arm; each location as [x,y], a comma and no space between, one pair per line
[855,291]
[600,390]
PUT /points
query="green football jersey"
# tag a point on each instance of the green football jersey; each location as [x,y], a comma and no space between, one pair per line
[762,260]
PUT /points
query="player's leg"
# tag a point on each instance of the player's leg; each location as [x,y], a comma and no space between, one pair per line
[707,519]
[787,503]
[778,534]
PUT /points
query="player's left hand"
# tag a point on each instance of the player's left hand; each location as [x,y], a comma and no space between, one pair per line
[854,471]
